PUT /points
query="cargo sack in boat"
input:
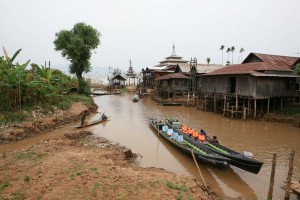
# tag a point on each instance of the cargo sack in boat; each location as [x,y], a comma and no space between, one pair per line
[180,138]
[165,128]
[174,135]
[170,132]
[176,124]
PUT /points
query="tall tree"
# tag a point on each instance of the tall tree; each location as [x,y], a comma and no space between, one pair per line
[228,51]
[208,60]
[232,50]
[77,45]
[222,49]
[241,52]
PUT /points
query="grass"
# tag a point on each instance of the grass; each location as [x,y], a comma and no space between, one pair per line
[26,178]
[8,118]
[4,185]
[96,187]
[31,156]
[175,186]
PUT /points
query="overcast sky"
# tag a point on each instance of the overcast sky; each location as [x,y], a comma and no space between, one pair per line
[145,30]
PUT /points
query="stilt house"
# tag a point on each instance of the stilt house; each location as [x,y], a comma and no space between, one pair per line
[260,82]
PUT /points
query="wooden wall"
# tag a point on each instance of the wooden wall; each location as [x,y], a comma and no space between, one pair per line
[256,87]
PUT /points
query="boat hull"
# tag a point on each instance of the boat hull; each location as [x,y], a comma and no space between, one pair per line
[236,159]
[92,123]
[211,159]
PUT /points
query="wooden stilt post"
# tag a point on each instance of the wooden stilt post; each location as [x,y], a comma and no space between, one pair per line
[289,177]
[274,104]
[254,108]
[236,104]
[268,108]
[261,106]
[249,102]
[224,105]
[215,103]
[270,194]
[281,102]
[198,169]
[244,110]
[205,102]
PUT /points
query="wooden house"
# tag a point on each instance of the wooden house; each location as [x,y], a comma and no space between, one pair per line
[172,84]
[267,78]
[117,81]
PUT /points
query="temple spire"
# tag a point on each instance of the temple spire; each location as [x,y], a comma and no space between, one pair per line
[173,52]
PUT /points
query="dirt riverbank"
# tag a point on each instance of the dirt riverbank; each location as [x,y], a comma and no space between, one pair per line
[82,166]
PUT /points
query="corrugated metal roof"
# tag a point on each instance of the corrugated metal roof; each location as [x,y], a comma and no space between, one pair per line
[201,68]
[173,76]
[254,69]
[282,61]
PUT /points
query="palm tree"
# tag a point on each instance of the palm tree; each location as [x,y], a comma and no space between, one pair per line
[232,50]
[241,52]
[222,48]
[208,60]
[228,51]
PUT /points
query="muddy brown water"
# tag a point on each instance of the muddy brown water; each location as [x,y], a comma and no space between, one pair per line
[129,126]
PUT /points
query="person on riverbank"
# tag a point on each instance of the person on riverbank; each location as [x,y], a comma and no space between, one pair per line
[83,118]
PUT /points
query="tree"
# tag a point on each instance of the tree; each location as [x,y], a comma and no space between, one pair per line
[232,50]
[241,52]
[208,60]
[12,80]
[222,48]
[228,51]
[77,45]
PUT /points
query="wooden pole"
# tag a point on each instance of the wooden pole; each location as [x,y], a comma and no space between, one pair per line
[281,102]
[224,105]
[268,108]
[215,103]
[199,169]
[205,102]
[254,108]
[261,106]
[249,102]
[270,194]
[289,177]
[236,104]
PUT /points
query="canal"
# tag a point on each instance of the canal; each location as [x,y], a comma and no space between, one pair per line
[129,126]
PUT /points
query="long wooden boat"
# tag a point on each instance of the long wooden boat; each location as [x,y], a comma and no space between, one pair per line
[93,122]
[203,155]
[237,159]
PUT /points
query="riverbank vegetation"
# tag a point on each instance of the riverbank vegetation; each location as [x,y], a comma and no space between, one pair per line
[25,88]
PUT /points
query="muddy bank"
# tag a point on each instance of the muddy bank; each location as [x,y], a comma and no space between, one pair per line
[81,166]
[41,124]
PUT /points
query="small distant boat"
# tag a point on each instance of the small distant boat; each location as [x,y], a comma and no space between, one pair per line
[103,118]
[171,104]
[135,98]
[202,154]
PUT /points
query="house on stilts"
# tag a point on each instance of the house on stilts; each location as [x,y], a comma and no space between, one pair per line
[261,84]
